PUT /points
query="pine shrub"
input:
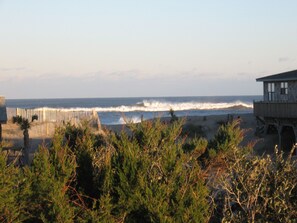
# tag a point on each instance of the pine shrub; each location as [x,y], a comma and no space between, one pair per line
[51,174]
[13,191]
[152,179]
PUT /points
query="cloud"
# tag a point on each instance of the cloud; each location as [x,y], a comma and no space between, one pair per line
[283,59]
[95,75]
[12,77]
[12,69]
[15,74]
[195,74]
[243,74]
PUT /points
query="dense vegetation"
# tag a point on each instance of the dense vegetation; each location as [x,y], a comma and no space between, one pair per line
[151,173]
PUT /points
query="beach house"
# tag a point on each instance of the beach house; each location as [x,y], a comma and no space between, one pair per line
[277,112]
[3,114]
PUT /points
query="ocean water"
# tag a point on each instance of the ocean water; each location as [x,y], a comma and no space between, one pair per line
[113,111]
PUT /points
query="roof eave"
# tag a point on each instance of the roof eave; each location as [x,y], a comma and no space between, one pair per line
[275,79]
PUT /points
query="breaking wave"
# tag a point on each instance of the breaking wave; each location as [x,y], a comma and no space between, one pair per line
[134,119]
[160,106]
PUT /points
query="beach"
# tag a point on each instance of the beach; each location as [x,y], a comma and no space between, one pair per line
[208,126]
[205,126]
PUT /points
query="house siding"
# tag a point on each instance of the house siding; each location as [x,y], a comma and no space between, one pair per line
[292,91]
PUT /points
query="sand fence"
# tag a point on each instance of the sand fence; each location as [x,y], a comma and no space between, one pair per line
[43,129]
[52,115]
[49,119]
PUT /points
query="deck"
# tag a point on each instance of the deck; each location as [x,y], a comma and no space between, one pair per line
[276,109]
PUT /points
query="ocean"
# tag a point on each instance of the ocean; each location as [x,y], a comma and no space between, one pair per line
[114,111]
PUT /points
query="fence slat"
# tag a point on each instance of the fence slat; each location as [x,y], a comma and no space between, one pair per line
[46,115]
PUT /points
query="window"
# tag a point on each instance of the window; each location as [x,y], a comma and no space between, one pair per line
[271,91]
[284,87]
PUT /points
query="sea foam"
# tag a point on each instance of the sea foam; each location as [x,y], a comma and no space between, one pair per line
[160,106]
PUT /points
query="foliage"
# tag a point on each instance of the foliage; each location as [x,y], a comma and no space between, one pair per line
[12,192]
[22,122]
[150,173]
[228,137]
[81,143]
[51,174]
[226,140]
[261,189]
[25,125]
[196,145]
[153,179]
[174,118]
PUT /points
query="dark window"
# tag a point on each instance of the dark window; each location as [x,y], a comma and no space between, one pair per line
[271,91]
[284,88]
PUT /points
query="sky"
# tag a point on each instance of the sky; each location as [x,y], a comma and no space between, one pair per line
[135,48]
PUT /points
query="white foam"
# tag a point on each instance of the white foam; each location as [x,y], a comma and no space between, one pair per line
[159,106]
[125,120]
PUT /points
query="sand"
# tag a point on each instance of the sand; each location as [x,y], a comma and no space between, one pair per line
[43,132]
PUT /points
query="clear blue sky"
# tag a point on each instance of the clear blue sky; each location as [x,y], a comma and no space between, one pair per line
[96,48]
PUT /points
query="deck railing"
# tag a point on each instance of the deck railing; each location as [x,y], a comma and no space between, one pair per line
[275,109]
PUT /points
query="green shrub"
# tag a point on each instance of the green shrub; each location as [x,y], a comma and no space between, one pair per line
[153,179]
[148,174]
[196,146]
[51,174]
[84,143]
[174,118]
[226,140]
[212,153]
[13,191]
[227,137]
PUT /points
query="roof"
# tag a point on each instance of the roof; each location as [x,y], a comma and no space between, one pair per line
[286,76]
[3,114]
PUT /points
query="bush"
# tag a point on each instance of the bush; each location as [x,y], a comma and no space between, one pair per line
[260,189]
[150,174]
[12,192]
[51,174]
[81,142]
[196,146]
[227,137]
[152,179]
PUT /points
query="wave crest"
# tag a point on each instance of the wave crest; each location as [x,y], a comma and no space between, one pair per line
[160,106]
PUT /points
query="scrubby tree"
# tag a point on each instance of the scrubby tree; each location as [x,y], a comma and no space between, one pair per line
[13,192]
[149,173]
[52,172]
[152,179]
[25,125]
[260,189]
[84,144]
[172,115]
